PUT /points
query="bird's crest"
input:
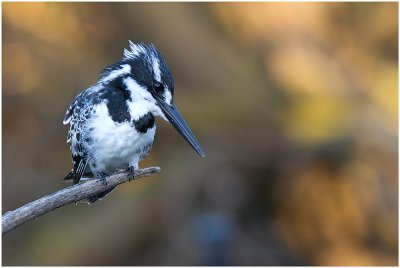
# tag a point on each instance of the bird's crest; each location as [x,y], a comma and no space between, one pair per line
[135,50]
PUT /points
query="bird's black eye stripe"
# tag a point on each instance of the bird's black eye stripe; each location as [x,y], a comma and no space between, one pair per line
[158,87]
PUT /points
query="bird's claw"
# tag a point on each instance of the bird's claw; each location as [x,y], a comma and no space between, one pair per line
[102,176]
[131,170]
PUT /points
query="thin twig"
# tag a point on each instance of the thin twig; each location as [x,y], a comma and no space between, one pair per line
[83,190]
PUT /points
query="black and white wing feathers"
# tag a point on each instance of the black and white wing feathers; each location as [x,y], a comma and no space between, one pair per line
[76,116]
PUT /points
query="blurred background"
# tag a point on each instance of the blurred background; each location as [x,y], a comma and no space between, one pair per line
[295,106]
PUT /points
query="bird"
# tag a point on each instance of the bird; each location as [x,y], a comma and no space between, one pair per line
[112,123]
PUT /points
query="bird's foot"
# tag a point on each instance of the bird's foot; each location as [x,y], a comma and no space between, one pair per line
[131,169]
[102,176]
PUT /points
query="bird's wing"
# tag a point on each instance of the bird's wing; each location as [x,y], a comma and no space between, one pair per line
[78,101]
[76,116]
[76,173]
[78,112]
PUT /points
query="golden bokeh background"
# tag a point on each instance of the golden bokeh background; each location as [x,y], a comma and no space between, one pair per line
[296,108]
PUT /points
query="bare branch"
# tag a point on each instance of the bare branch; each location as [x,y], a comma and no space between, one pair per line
[15,218]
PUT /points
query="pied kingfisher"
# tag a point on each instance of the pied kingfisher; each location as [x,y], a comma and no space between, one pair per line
[112,122]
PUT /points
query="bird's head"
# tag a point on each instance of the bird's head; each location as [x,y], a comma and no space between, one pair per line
[144,73]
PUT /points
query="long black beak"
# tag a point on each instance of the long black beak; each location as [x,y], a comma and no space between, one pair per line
[180,125]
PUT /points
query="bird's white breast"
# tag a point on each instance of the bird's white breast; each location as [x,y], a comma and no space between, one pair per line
[115,145]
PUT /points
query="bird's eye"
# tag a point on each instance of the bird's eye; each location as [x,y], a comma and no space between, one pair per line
[158,87]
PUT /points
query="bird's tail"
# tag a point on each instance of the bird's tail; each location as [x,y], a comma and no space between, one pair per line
[70,176]
[99,196]
[78,171]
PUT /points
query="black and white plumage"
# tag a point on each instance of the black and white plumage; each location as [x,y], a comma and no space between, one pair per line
[112,122]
